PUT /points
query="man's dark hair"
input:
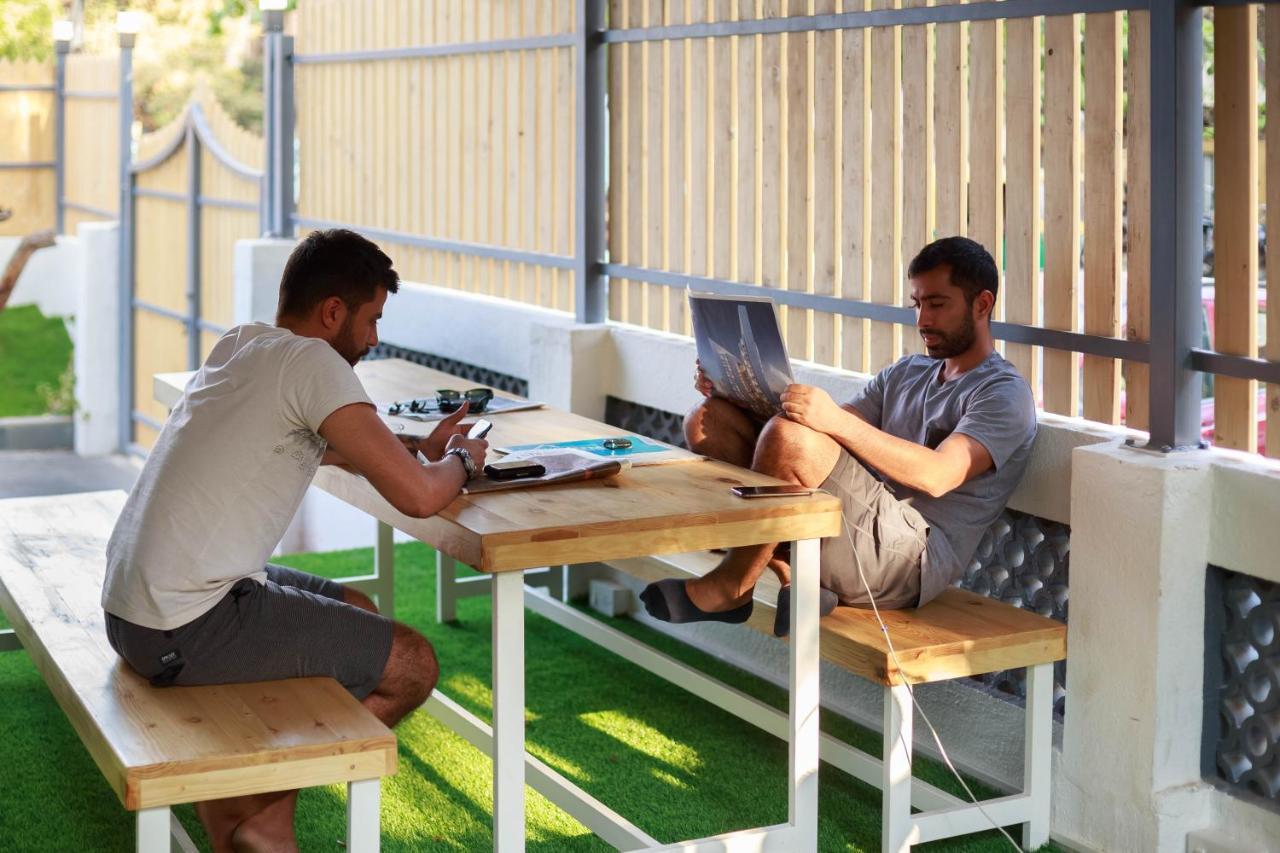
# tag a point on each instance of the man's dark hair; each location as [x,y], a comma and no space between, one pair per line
[972,268]
[338,263]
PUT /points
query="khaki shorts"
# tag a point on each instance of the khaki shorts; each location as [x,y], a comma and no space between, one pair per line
[881,534]
[294,625]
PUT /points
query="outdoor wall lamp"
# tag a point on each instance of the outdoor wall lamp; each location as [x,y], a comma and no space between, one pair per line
[127,25]
[63,32]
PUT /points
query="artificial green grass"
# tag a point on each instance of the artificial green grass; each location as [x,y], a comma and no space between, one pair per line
[34,352]
[674,764]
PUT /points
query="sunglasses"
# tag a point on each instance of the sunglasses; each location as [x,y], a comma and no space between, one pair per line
[446,400]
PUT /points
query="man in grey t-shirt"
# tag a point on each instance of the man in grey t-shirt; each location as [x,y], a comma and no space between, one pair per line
[923,459]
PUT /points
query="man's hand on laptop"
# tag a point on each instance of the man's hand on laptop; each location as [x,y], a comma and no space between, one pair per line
[814,408]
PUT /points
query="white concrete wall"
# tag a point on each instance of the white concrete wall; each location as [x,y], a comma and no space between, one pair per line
[1145,526]
[97,339]
[49,280]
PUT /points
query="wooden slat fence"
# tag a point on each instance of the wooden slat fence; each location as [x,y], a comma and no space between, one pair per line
[476,148]
[27,119]
[812,162]
[163,251]
[92,142]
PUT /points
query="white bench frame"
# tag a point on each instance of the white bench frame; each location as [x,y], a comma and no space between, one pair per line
[942,814]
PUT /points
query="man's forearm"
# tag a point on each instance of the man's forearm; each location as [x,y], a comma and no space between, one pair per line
[905,462]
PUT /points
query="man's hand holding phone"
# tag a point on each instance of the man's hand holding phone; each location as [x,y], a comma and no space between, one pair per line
[476,448]
[435,444]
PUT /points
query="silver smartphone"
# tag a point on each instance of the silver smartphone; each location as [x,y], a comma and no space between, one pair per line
[480,429]
[771,491]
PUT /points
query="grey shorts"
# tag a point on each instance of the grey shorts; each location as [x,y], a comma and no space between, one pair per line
[294,625]
[881,533]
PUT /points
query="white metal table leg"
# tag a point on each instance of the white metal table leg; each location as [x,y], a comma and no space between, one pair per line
[446,588]
[1038,753]
[895,797]
[804,735]
[363,805]
[384,560]
[152,829]
[508,712]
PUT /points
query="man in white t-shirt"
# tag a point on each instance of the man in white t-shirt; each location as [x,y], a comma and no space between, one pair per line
[189,595]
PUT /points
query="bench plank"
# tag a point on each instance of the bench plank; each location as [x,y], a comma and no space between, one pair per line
[174,745]
[960,633]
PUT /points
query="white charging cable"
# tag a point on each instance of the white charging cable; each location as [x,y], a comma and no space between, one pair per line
[910,690]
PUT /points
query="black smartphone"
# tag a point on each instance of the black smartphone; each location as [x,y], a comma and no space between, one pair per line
[480,429]
[771,491]
[517,469]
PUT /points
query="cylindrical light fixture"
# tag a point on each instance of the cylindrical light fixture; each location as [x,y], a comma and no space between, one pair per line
[64,31]
[128,23]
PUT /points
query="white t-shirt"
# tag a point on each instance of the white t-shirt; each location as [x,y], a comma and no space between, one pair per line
[226,475]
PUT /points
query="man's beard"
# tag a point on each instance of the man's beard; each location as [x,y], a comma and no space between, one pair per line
[950,346]
[347,346]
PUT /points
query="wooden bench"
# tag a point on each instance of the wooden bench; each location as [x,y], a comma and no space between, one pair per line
[958,634]
[162,747]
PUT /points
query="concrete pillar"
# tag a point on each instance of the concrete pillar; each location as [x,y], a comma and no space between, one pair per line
[1131,744]
[571,366]
[257,268]
[97,356]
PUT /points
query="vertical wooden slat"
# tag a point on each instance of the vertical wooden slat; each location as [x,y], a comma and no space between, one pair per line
[1138,208]
[1102,210]
[529,162]
[746,88]
[824,183]
[951,118]
[651,165]
[483,146]
[619,86]
[676,165]
[917,151]
[566,196]
[1272,71]
[720,210]
[634,158]
[798,145]
[698,109]
[855,176]
[886,186]
[986,141]
[1062,206]
[772,151]
[1236,220]
[1022,190]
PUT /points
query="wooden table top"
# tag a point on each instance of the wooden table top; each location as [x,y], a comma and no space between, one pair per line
[656,509]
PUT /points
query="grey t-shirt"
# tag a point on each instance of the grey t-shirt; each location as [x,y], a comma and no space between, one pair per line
[991,404]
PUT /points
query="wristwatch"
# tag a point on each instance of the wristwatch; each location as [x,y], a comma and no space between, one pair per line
[461,453]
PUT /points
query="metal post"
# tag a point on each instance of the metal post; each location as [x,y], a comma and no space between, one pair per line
[126,241]
[590,284]
[277,91]
[193,248]
[1177,205]
[60,132]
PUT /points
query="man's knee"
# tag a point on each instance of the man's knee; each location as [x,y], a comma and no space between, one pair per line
[781,434]
[356,598]
[711,419]
[793,451]
[412,669]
